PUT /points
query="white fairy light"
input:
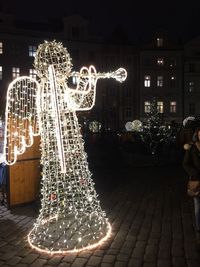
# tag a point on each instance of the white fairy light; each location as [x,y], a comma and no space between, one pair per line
[71,218]
[129,126]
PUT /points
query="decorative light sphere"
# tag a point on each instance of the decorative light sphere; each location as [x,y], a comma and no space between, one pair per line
[137,125]
[95,126]
[129,126]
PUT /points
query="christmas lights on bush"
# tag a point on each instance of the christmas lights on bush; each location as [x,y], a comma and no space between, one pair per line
[70,218]
[154,131]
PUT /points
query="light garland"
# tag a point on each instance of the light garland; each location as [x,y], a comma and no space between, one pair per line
[70,218]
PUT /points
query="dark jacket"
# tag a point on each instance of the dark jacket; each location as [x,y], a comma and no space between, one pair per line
[191,161]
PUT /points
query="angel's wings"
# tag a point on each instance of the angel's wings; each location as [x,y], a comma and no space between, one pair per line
[21,117]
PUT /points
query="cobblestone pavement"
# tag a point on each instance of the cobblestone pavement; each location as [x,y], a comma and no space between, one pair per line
[151,217]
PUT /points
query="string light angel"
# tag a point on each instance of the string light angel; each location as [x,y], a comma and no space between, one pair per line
[70,218]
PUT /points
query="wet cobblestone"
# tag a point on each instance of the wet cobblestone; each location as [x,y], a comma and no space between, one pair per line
[151,217]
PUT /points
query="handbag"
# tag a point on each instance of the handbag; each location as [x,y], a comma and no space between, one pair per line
[193,188]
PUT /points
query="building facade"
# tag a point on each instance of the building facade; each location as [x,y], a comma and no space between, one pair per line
[160,70]
[192,78]
[161,78]
[115,103]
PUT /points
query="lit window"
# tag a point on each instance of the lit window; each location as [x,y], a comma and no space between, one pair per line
[159,42]
[1,72]
[191,86]
[172,107]
[147,106]
[160,107]
[32,73]
[31,50]
[1,48]
[15,72]
[172,81]
[147,80]
[160,61]
[160,81]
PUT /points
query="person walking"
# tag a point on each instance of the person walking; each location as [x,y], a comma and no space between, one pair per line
[191,164]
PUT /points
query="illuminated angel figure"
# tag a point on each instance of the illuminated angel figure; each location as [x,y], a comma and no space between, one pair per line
[70,218]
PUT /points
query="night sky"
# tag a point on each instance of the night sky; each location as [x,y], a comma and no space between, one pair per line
[138,18]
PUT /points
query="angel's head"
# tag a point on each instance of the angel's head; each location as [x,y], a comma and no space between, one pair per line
[52,53]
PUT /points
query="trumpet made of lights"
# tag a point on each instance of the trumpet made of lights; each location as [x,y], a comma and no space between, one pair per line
[70,218]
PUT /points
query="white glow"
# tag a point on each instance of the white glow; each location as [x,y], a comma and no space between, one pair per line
[55,101]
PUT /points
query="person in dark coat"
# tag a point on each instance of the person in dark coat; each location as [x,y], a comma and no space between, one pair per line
[191,164]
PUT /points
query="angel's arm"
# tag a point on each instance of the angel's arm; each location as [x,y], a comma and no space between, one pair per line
[83,96]
[21,118]
[85,93]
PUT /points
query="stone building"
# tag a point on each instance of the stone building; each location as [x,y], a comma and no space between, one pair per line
[161,69]
[161,77]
